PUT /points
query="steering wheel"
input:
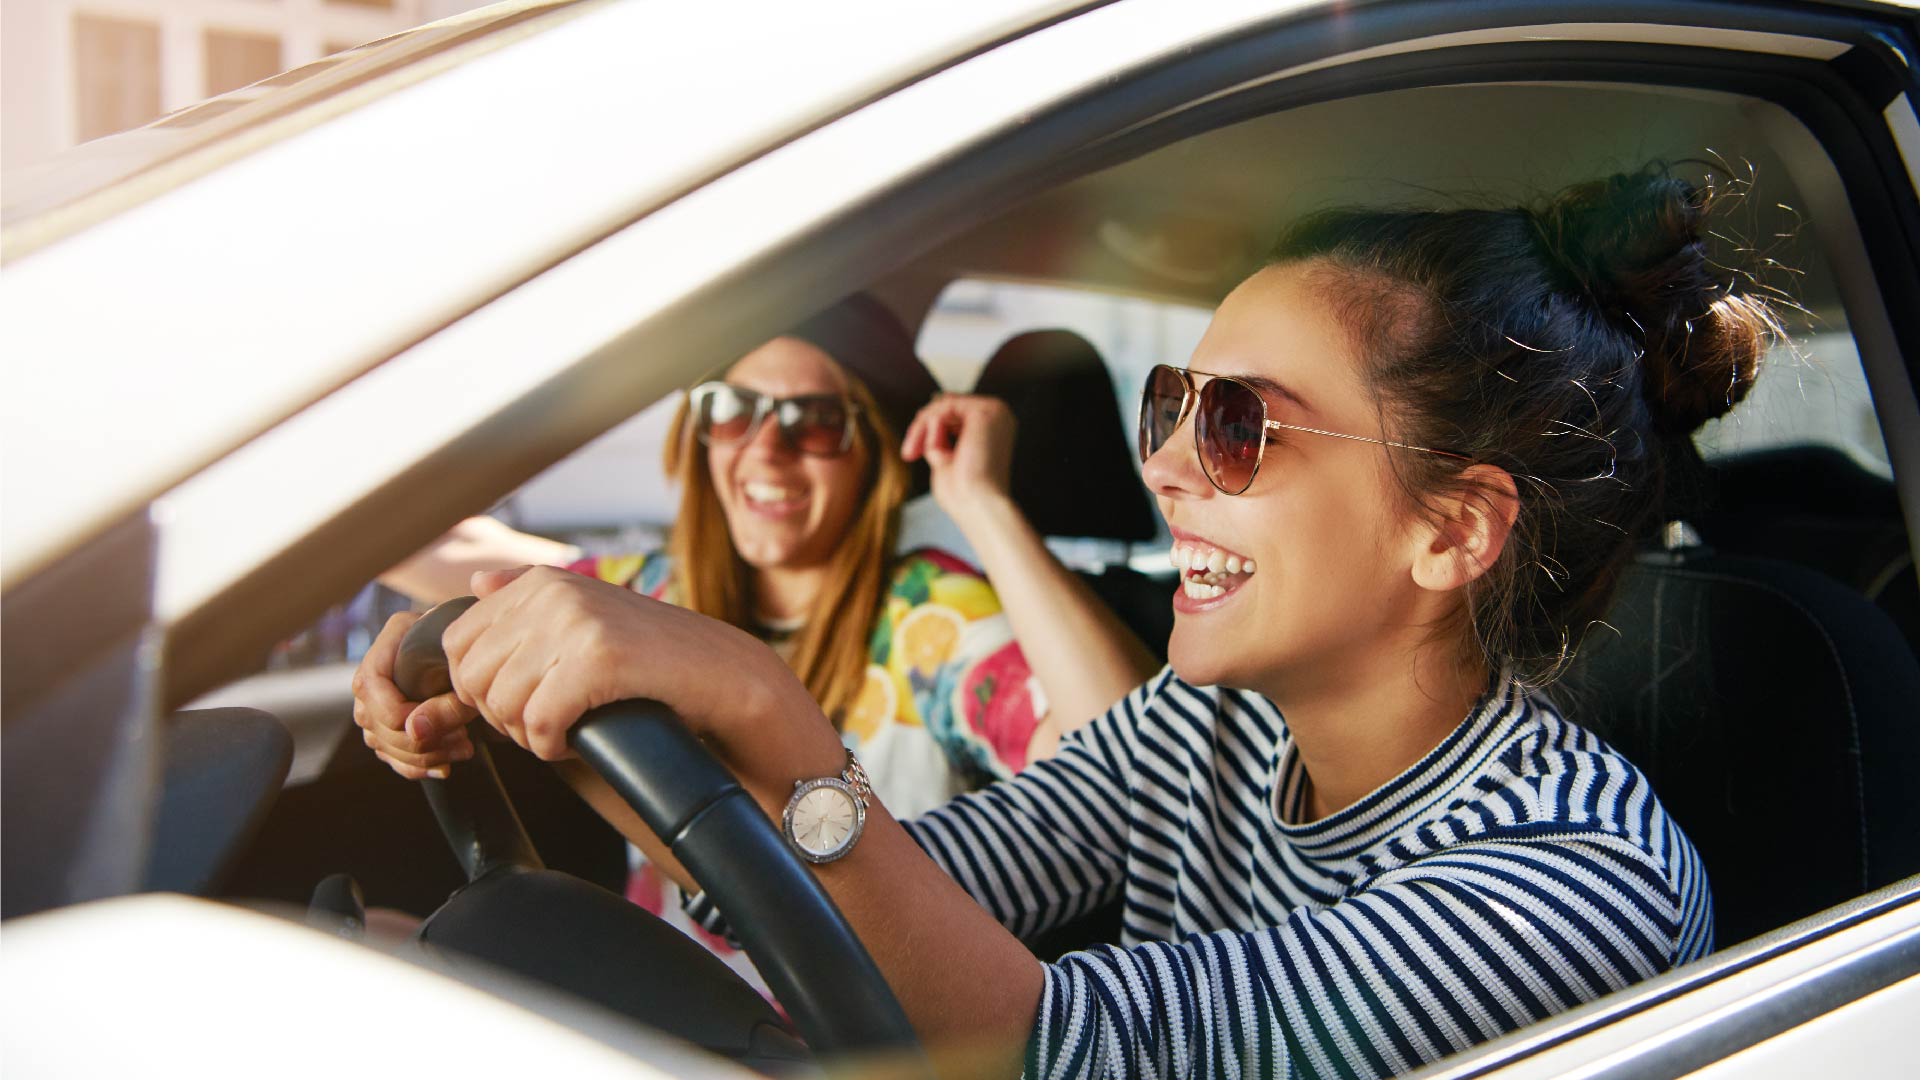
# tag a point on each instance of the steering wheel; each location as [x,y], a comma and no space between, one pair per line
[796,936]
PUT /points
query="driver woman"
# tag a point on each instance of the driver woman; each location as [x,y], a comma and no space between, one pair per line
[1349,831]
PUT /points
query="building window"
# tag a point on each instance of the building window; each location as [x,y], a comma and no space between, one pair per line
[116,69]
[236,59]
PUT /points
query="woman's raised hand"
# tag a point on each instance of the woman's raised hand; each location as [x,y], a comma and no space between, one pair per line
[417,739]
[968,441]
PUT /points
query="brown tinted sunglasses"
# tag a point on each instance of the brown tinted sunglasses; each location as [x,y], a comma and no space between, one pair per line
[1230,424]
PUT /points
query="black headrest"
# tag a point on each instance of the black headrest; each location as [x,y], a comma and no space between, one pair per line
[1774,711]
[1074,471]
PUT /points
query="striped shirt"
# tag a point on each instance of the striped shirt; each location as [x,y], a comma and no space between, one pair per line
[1520,868]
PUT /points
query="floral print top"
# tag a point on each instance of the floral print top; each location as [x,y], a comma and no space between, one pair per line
[949,703]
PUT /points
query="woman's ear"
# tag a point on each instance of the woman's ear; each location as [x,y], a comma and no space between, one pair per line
[1466,528]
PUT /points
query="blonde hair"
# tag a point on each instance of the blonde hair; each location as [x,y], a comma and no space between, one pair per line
[831,650]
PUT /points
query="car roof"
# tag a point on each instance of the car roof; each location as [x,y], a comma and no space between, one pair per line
[1188,221]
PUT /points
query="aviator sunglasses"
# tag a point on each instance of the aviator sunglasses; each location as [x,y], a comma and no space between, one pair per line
[1230,424]
[818,425]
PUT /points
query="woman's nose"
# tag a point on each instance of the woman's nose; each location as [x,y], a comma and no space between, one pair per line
[1174,470]
[767,441]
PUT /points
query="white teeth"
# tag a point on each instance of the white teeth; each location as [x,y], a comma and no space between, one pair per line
[1200,590]
[767,493]
[1204,560]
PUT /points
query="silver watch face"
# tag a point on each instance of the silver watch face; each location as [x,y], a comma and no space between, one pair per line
[823,819]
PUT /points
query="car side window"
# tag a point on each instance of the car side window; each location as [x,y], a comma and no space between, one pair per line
[1809,392]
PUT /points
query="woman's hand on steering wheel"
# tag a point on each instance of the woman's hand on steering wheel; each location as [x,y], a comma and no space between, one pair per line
[417,739]
[544,646]
[968,441]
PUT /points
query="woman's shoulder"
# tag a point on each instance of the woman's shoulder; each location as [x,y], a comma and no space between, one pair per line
[1549,771]
[929,576]
[646,572]
[932,562]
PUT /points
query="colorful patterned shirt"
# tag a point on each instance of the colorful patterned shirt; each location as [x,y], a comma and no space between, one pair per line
[948,704]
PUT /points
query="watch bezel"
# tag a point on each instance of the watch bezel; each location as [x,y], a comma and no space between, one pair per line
[801,789]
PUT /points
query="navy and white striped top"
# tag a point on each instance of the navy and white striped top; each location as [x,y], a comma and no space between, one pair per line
[1518,869]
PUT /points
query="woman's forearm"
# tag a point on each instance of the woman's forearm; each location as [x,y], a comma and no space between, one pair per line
[1085,658]
[440,571]
[971,989]
[543,646]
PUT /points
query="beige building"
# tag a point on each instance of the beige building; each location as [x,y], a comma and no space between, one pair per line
[73,70]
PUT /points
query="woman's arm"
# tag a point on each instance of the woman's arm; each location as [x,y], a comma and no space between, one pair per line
[1085,658]
[1042,848]
[440,570]
[1419,963]
[543,646]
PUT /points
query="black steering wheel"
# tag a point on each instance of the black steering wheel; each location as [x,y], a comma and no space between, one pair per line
[796,936]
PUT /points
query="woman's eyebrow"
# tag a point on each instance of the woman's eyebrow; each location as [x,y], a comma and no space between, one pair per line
[1264,383]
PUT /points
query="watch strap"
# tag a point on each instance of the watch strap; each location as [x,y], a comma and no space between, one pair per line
[854,775]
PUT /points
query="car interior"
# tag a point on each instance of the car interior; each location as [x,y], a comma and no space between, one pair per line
[1768,632]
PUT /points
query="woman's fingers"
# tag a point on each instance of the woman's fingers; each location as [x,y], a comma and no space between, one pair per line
[477,647]
[477,681]
[500,649]
[550,713]
[416,763]
[437,718]
[376,698]
[935,429]
[910,440]
[415,739]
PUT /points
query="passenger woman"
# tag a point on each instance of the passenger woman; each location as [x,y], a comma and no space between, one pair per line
[1350,830]
[792,476]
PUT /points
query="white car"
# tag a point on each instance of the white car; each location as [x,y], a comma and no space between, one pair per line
[264,348]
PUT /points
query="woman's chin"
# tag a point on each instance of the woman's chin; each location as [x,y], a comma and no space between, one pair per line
[764,553]
[1197,663]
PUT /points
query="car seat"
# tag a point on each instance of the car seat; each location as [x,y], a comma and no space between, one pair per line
[1074,472]
[1774,710]
[1814,506]
[1074,476]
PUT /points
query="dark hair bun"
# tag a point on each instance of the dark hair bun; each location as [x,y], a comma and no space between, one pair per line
[1633,244]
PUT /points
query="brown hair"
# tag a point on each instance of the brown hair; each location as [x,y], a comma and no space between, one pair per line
[1577,345]
[831,651]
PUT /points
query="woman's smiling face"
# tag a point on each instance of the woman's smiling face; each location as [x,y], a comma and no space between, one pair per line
[1322,524]
[785,509]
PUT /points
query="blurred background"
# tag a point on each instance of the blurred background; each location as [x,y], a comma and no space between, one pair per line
[74,70]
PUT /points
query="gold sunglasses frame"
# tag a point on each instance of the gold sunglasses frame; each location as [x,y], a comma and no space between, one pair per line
[1191,395]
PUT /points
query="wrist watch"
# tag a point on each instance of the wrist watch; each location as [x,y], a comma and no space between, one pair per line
[825,816]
